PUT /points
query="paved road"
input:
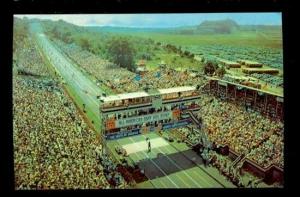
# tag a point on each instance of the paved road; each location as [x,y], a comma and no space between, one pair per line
[85,89]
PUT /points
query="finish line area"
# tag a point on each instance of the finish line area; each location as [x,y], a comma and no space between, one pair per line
[169,164]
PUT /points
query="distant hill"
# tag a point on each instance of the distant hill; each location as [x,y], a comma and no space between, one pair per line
[226,26]
[130,29]
[219,27]
[261,27]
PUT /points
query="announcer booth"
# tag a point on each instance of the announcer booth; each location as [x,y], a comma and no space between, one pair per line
[142,112]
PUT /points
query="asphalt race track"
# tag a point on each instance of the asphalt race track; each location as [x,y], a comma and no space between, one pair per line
[85,89]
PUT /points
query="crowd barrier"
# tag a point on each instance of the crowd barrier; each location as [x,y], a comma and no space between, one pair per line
[269,174]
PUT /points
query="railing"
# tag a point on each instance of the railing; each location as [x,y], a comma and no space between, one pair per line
[194,119]
[181,98]
[271,174]
[116,107]
[238,159]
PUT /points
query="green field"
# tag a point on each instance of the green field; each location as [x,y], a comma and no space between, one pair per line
[261,39]
[261,46]
[173,61]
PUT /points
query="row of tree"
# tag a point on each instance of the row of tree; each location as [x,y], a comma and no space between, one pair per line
[178,50]
[211,67]
[122,50]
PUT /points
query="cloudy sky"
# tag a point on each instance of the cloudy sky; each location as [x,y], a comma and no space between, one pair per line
[161,20]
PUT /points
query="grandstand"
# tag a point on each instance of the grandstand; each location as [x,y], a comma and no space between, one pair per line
[268,103]
[131,113]
[250,64]
[230,64]
[260,70]
[203,132]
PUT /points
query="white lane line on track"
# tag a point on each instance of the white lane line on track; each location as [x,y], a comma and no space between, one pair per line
[90,84]
[157,166]
[63,74]
[70,66]
[175,174]
[162,183]
[141,158]
[185,173]
[202,170]
[75,68]
[160,150]
[75,83]
[62,70]
[57,60]
[200,175]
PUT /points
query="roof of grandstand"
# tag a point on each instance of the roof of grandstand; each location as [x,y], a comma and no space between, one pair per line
[124,96]
[176,89]
[251,88]
[228,62]
[145,94]
[249,62]
[260,69]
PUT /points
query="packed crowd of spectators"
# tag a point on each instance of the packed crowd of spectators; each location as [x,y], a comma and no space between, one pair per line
[189,136]
[167,77]
[242,130]
[53,146]
[211,157]
[271,79]
[106,72]
[50,141]
[226,123]
[26,57]
[271,151]
[121,80]
[55,149]
[224,165]
[110,171]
